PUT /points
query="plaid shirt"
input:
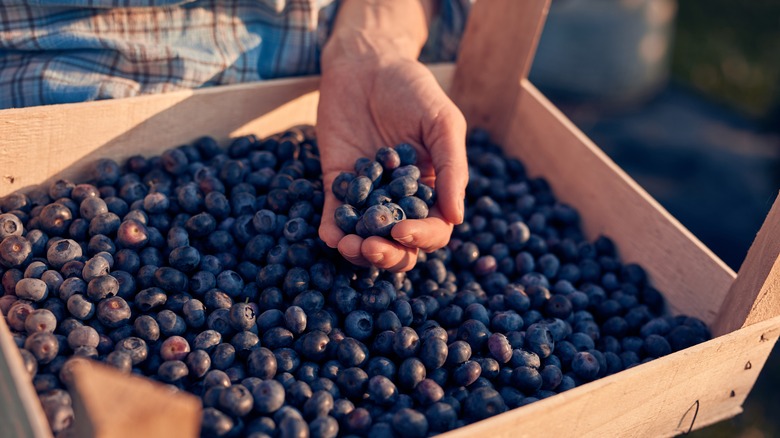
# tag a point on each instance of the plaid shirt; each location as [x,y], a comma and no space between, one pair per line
[61,51]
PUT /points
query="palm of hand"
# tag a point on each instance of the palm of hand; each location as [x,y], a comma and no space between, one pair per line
[384,106]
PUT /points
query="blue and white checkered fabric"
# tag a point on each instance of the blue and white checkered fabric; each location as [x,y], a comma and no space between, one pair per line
[61,51]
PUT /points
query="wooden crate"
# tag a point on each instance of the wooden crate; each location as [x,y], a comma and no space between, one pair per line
[674,394]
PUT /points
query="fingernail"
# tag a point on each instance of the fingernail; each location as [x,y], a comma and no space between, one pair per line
[405,239]
[376,258]
[461,208]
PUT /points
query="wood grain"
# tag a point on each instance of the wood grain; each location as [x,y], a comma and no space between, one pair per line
[658,398]
[108,403]
[495,54]
[693,279]
[61,140]
[755,295]
[21,414]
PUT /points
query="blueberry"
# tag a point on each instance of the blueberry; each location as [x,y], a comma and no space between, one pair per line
[585,365]
[352,382]
[388,158]
[414,207]
[403,186]
[10,225]
[215,423]
[359,324]
[378,220]
[351,353]
[83,336]
[433,353]
[378,196]
[371,170]
[32,289]
[441,417]
[113,312]
[57,406]
[346,217]
[382,391]
[55,219]
[135,347]
[406,342]
[474,333]
[132,234]
[268,396]
[324,427]
[319,404]
[261,363]
[654,345]
[242,316]
[170,323]
[194,313]
[410,373]
[43,345]
[296,281]
[540,340]
[358,191]
[358,421]
[428,392]
[406,153]
[314,345]
[410,423]
[295,319]
[244,342]
[236,400]
[684,336]
[172,371]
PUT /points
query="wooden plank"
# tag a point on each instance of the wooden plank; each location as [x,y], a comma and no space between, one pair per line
[659,398]
[691,277]
[60,140]
[108,403]
[41,144]
[755,294]
[495,54]
[21,414]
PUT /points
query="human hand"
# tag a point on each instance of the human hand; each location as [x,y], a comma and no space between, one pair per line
[366,104]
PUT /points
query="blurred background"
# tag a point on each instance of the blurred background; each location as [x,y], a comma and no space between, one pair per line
[685,96]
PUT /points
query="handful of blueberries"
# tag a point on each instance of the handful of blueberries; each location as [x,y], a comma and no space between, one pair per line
[381,193]
[201,269]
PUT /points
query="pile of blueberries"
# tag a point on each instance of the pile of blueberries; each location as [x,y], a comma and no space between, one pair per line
[381,193]
[201,268]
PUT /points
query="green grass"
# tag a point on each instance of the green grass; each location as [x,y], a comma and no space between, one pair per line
[730,50]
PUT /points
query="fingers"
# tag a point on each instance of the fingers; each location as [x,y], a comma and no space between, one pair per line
[387,254]
[350,248]
[330,233]
[427,234]
[446,137]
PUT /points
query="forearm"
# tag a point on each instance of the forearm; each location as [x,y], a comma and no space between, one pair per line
[376,28]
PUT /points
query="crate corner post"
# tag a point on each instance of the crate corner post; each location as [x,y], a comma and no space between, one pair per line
[494,58]
[148,408]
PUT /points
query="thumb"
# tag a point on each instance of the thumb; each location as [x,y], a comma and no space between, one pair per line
[445,138]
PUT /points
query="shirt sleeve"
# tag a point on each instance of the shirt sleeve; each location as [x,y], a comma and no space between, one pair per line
[445,31]
[60,51]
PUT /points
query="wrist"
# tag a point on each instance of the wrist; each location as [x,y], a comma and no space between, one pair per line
[368,47]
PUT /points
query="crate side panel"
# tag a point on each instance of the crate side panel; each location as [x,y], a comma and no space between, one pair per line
[21,414]
[668,396]
[148,409]
[755,294]
[40,143]
[690,276]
